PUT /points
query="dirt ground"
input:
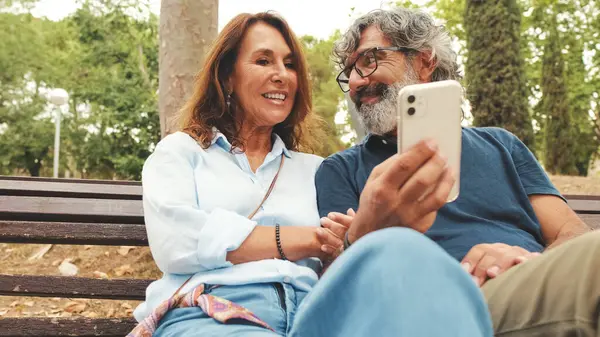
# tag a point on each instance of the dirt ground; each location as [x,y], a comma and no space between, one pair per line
[116,262]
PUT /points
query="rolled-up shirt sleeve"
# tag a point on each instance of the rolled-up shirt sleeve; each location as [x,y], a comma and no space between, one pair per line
[184,238]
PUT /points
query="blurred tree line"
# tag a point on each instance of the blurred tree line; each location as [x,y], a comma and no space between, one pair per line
[108,62]
[531,67]
[105,55]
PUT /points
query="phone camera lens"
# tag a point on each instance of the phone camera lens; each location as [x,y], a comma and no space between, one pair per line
[411,111]
[411,99]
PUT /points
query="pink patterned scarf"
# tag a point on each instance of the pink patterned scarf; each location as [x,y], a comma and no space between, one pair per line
[216,307]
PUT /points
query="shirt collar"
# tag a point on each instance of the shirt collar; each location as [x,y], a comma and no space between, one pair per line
[220,140]
[279,147]
[373,140]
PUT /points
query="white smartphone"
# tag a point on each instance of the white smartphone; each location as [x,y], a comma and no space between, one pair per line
[433,110]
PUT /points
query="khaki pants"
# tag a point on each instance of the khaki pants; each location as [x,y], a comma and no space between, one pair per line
[556,294]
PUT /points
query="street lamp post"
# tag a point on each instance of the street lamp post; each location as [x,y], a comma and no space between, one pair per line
[58,97]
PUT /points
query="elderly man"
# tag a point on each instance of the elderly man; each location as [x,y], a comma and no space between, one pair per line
[510,228]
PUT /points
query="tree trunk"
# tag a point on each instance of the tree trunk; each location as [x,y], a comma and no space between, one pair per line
[187,28]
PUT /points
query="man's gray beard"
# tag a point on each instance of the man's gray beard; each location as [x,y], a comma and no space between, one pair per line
[380,118]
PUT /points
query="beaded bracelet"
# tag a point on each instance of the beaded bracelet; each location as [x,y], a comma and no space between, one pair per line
[278,240]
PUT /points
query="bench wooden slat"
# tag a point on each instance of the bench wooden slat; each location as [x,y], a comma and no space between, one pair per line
[73,180]
[73,233]
[54,327]
[589,206]
[70,209]
[73,287]
[592,220]
[70,189]
[582,196]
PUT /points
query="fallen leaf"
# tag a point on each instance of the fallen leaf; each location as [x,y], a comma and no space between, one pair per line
[40,253]
[100,274]
[75,307]
[66,314]
[3,312]
[107,253]
[126,305]
[87,247]
[14,304]
[90,314]
[124,269]
[28,304]
[56,263]
[110,313]
[124,250]
[68,269]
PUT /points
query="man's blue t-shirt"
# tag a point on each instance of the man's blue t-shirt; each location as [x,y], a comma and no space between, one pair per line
[498,173]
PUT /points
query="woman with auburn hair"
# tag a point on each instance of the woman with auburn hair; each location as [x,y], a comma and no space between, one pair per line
[230,206]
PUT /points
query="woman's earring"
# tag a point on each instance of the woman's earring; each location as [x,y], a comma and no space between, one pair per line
[228,100]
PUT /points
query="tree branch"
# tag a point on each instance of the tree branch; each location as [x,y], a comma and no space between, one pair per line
[142,66]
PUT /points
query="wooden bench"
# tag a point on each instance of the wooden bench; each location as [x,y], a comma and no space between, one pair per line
[89,212]
[74,212]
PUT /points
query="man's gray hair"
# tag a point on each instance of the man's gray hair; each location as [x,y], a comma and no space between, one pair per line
[404,28]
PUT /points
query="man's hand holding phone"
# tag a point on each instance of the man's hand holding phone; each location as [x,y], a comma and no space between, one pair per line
[406,190]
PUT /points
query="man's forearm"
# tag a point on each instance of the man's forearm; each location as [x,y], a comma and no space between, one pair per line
[573,231]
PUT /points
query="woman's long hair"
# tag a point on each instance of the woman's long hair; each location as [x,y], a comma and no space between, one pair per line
[207,107]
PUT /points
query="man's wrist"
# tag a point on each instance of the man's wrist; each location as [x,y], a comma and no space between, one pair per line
[356,230]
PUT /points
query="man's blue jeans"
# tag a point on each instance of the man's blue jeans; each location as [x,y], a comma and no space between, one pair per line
[392,282]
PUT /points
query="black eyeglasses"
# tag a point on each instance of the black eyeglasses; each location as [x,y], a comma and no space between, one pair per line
[365,65]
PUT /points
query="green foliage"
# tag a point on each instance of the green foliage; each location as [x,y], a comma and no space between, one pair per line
[326,93]
[568,23]
[26,138]
[578,96]
[108,61]
[578,27]
[106,56]
[26,128]
[452,12]
[559,139]
[117,78]
[495,73]
[406,4]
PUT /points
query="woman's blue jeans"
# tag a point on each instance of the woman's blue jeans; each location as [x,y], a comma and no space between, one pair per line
[392,282]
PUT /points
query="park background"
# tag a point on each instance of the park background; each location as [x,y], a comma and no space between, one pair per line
[530,66]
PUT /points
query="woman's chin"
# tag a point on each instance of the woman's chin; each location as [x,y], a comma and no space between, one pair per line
[277,116]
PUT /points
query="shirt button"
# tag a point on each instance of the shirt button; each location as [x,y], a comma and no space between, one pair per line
[384,141]
[287,279]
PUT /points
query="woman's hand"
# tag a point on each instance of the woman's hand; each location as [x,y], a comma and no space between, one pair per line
[335,224]
[328,243]
[338,222]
